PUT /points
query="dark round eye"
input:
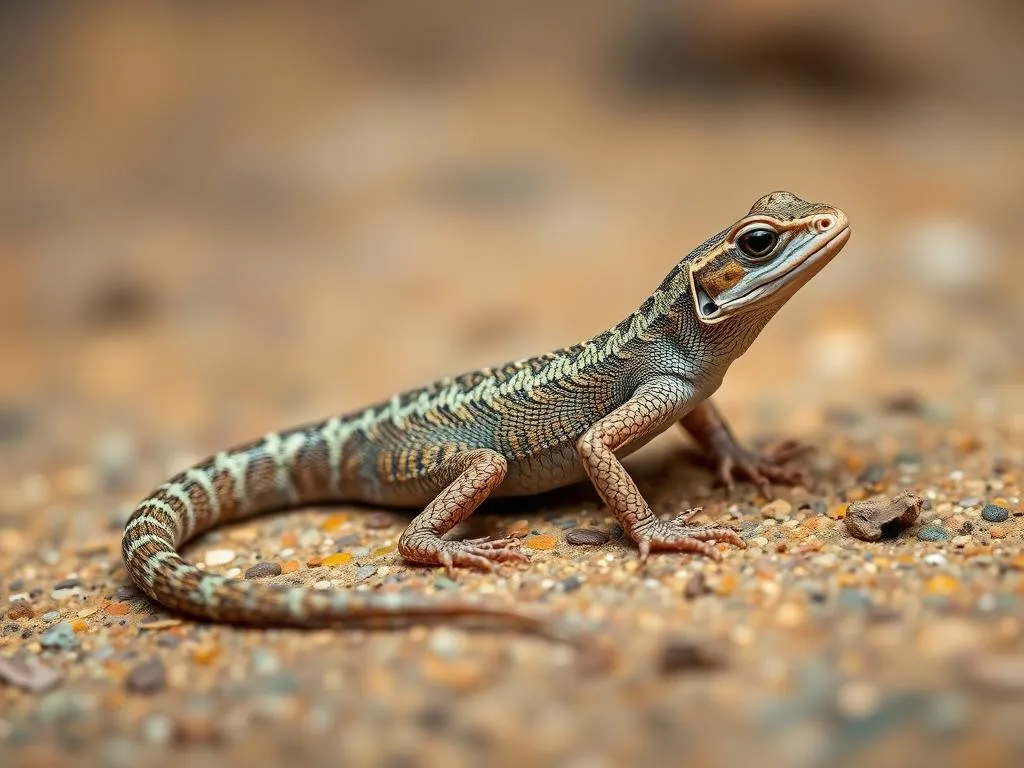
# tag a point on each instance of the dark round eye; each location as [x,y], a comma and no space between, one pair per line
[758,243]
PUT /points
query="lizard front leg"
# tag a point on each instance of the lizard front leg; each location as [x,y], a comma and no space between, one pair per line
[473,475]
[650,407]
[708,427]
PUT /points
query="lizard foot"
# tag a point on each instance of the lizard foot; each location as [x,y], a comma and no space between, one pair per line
[762,469]
[481,553]
[678,536]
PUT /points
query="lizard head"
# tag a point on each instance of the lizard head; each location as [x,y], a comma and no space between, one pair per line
[766,256]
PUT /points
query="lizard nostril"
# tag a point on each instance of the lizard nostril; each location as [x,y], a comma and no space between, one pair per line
[824,223]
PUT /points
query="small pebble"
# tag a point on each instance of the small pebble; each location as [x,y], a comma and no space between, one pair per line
[263,570]
[994,514]
[127,593]
[20,609]
[28,674]
[685,655]
[941,584]
[67,584]
[117,609]
[696,586]
[338,558]
[933,533]
[544,541]
[219,556]
[873,474]
[518,529]
[378,520]
[60,635]
[779,509]
[586,537]
[571,584]
[364,572]
[148,677]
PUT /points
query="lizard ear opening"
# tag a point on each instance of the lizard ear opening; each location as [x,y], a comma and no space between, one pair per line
[708,310]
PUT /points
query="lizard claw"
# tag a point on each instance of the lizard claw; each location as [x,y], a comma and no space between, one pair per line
[483,554]
[676,536]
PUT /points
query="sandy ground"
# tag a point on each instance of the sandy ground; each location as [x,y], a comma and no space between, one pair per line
[173,282]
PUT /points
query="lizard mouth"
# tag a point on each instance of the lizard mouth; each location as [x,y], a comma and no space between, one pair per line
[802,270]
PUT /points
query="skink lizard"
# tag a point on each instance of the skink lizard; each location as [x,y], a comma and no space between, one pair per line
[522,428]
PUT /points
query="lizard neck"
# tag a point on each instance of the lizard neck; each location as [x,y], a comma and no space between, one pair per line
[665,335]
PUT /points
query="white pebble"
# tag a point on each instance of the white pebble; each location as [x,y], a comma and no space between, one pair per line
[934,558]
[219,556]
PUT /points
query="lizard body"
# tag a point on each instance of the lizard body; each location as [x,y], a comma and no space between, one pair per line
[522,428]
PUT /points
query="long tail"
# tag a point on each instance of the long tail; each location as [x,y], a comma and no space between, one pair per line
[280,471]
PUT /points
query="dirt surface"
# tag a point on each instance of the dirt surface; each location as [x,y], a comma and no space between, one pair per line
[218,223]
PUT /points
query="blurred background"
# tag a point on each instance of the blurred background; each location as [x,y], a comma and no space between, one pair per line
[218,220]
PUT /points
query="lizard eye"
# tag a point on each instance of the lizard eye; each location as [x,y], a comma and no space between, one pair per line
[758,243]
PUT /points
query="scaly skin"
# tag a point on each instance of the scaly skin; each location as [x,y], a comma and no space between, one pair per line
[525,427]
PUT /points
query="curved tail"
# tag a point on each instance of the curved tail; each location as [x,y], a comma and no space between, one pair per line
[280,471]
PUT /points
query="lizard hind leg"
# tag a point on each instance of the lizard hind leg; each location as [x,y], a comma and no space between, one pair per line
[473,476]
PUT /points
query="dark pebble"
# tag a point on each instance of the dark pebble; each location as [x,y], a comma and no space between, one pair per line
[994,514]
[348,540]
[127,593]
[167,640]
[119,301]
[696,586]
[17,585]
[684,655]
[14,422]
[591,537]
[874,473]
[147,677]
[571,584]
[67,584]
[933,533]
[904,402]
[263,570]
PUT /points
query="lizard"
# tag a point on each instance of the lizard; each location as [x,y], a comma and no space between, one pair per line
[523,428]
